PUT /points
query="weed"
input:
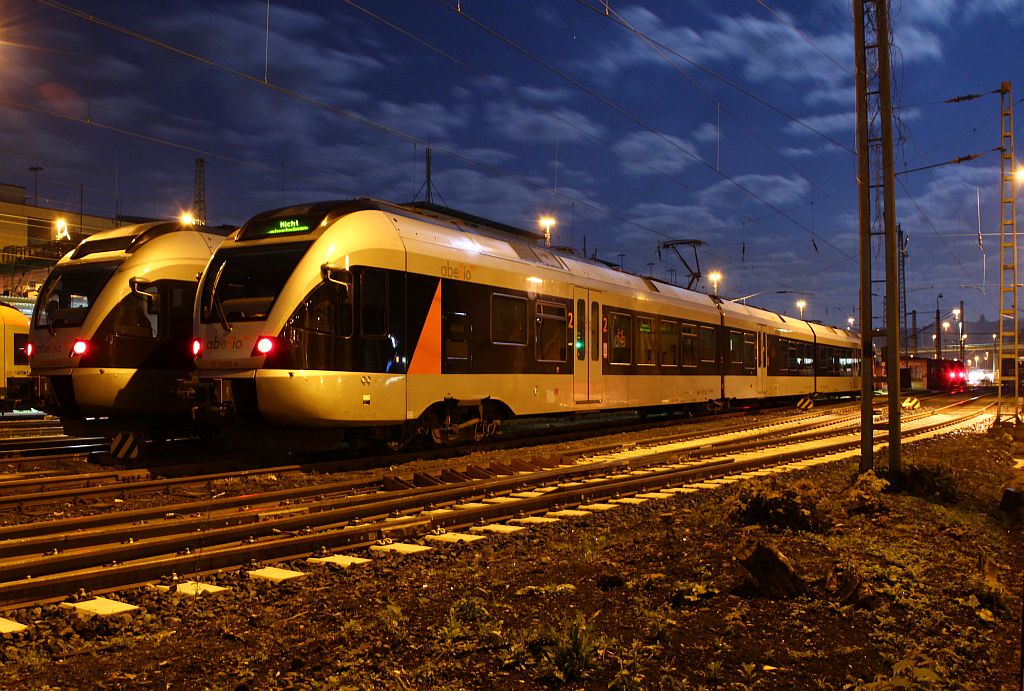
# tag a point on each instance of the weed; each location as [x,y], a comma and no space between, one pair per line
[573,651]
[629,677]
[713,673]
[865,496]
[750,674]
[657,624]
[797,506]
[917,672]
[392,619]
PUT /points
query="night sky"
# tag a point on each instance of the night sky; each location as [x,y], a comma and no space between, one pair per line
[655,121]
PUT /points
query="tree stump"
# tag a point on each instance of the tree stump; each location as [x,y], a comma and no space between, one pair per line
[772,572]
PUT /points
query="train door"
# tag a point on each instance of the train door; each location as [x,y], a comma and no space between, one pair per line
[762,360]
[586,380]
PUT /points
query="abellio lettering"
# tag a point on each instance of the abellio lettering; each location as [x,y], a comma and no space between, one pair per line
[459,271]
[226,344]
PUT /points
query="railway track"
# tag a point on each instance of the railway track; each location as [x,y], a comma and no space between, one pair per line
[46,561]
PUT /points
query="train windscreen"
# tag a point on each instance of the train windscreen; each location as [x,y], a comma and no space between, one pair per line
[242,283]
[69,293]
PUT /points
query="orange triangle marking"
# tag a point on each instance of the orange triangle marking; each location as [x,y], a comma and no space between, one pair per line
[427,358]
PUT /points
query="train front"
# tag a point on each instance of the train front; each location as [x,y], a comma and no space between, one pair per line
[112,326]
[293,327]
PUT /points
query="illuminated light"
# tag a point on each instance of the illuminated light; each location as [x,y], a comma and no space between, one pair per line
[715,277]
[29,349]
[1018,175]
[197,347]
[187,219]
[534,279]
[288,225]
[79,347]
[60,230]
[546,222]
[264,345]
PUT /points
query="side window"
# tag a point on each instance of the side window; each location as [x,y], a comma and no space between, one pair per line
[620,330]
[749,356]
[551,332]
[508,319]
[793,355]
[736,347]
[323,311]
[708,351]
[458,331]
[20,354]
[808,357]
[581,329]
[645,341]
[688,339]
[668,334]
[136,316]
[373,298]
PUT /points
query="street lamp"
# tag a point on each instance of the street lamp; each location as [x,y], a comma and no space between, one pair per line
[187,219]
[60,230]
[35,170]
[546,222]
[715,277]
[800,304]
[850,321]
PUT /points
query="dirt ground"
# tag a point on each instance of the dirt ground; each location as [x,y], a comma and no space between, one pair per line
[915,588]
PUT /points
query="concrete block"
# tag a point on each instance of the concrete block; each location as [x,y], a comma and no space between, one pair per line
[100,607]
[568,513]
[453,538]
[275,575]
[598,506]
[533,520]
[193,588]
[8,626]
[498,528]
[399,548]
[338,560]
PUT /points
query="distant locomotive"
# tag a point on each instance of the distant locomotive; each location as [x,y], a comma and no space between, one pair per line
[112,327]
[406,321]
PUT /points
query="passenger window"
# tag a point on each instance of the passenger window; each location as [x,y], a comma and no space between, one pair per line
[708,351]
[324,311]
[690,356]
[508,319]
[458,332]
[620,328]
[749,349]
[736,347]
[669,337]
[646,341]
[551,332]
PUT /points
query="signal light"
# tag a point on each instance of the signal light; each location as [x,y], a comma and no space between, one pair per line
[29,349]
[197,348]
[79,347]
[264,346]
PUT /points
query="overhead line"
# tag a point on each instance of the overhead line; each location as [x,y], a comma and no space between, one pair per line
[633,119]
[782,18]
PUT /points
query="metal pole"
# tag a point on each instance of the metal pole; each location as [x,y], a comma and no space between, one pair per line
[864,203]
[892,269]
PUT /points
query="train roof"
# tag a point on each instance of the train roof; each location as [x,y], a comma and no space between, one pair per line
[128,239]
[307,218]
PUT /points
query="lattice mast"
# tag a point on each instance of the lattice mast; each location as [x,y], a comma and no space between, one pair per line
[875,184]
[1009,339]
[199,195]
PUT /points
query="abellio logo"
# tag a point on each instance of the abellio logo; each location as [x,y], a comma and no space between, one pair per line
[459,271]
[227,344]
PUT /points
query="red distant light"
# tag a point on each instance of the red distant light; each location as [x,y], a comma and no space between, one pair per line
[197,347]
[79,347]
[29,349]
[264,345]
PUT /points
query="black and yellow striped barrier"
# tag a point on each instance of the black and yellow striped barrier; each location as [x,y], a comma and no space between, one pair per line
[911,403]
[126,446]
[805,403]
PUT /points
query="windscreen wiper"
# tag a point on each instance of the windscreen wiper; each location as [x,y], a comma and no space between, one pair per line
[216,302]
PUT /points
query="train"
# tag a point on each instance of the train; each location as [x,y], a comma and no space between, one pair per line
[367,319]
[111,329]
[16,382]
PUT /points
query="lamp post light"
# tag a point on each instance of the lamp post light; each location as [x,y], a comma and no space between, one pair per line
[938,333]
[945,329]
[850,321]
[715,277]
[546,222]
[800,305]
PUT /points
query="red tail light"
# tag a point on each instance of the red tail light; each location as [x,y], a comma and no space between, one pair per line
[197,348]
[79,347]
[265,345]
[29,349]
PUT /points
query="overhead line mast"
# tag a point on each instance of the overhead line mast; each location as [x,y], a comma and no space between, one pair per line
[1009,338]
[876,181]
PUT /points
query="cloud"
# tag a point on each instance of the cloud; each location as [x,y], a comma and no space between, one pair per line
[707,132]
[774,189]
[829,124]
[661,153]
[522,123]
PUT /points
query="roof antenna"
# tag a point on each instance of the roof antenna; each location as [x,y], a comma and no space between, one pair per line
[428,184]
